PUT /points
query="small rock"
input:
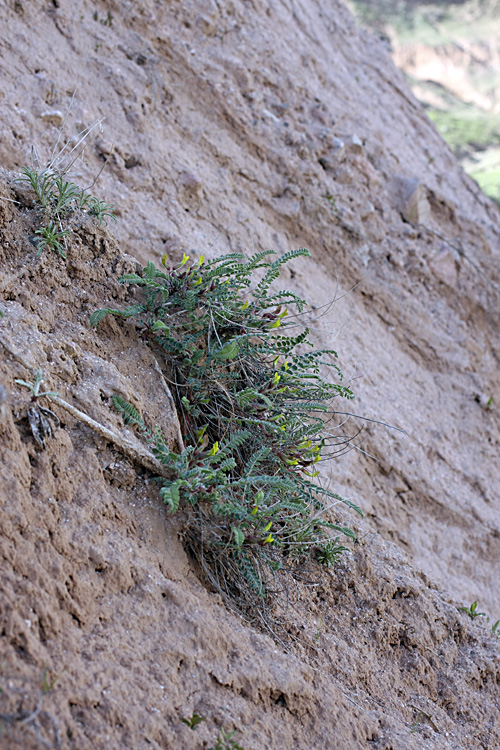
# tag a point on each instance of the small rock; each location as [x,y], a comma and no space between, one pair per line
[444,266]
[54,117]
[366,209]
[409,195]
[208,18]
[190,184]
[356,145]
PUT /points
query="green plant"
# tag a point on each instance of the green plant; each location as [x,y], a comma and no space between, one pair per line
[58,197]
[49,684]
[495,628]
[327,553]
[253,403]
[51,238]
[35,386]
[39,417]
[472,611]
[417,725]
[194,721]
[225,741]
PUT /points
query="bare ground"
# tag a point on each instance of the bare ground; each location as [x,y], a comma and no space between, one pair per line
[245,128]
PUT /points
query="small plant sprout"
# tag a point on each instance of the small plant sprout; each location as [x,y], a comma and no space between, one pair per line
[225,741]
[51,238]
[101,210]
[328,553]
[35,386]
[194,721]
[417,725]
[495,628]
[472,611]
[42,184]
[253,397]
[49,684]
[58,197]
[39,417]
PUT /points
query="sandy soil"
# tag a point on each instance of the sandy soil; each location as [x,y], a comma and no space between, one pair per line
[245,127]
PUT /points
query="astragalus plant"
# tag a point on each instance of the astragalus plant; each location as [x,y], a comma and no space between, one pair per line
[253,398]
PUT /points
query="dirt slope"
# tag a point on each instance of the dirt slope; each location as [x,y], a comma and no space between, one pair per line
[246,127]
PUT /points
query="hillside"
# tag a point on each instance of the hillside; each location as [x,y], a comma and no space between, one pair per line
[243,128]
[450,55]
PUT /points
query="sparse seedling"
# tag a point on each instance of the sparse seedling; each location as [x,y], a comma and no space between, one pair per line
[226,742]
[495,628]
[39,417]
[51,238]
[472,611]
[35,386]
[194,721]
[328,553]
[58,197]
[253,403]
[417,725]
[42,184]
[49,684]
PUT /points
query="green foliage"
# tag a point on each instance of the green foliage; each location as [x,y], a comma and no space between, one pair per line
[472,611]
[35,386]
[194,721]
[252,400]
[40,418]
[49,684]
[328,552]
[58,197]
[51,238]
[225,741]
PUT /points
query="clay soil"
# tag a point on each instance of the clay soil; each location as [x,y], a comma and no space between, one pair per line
[244,126]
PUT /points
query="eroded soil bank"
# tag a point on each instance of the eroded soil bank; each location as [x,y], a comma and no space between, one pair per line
[228,135]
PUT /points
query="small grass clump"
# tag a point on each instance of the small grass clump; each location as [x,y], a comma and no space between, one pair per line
[254,406]
[58,198]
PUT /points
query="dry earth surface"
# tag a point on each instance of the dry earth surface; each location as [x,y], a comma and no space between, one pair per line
[245,126]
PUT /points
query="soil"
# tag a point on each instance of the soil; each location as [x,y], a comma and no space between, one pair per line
[242,127]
